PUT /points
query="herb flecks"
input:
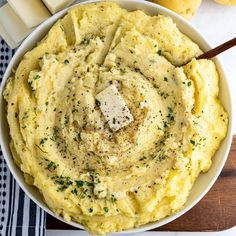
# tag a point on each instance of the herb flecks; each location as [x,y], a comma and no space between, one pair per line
[113,199]
[160,157]
[122,71]
[36,77]
[51,166]
[106,209]
[66,62]
[63,181]
[79,183]
[42,141]
[74,191]
[74,110]
[30,83]
[193,142]
[66,120]
[85,41]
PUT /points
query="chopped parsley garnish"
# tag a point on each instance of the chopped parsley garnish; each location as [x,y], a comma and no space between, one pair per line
[85,41]
[62,188]
[189,83]
[106,209]
[193,142]
[43,141]
[159,52]
[90,210]
[30,84]
[51,166]
[74,191]
[74,110]
[60,181]
[36,77]
[66,120]
[165,79]
[164,95]
[161,157]
[64,181]
[66,62]
[122,71]
[79,183]
[165,124]
[89,183]
[113,199]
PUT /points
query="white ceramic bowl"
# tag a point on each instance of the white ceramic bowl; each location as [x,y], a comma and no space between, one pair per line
[204,181]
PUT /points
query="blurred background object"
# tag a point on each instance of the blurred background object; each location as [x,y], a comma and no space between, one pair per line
[18,18]
[32,13]
[226,2]
[56,5]
[188,8]
[12,29]
[185,8]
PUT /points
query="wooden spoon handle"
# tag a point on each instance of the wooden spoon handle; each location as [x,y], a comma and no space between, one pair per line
[215,51]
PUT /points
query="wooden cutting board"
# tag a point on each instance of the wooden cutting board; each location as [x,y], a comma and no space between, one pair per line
[215,212]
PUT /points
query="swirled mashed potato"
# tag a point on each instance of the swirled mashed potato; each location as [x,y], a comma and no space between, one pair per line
[112,181]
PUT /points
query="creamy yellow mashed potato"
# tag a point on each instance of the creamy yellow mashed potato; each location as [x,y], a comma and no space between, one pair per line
[112,181]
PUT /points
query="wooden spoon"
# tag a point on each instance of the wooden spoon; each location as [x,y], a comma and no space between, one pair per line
[215,51]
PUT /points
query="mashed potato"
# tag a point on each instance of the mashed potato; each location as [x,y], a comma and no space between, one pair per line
[112,181]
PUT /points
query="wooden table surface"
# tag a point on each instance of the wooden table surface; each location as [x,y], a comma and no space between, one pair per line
[215,212]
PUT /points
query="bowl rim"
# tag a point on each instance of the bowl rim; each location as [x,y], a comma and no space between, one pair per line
[175,17]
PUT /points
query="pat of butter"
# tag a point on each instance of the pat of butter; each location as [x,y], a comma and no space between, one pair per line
[12,28]
[57,5]
[32,12]
[114,109]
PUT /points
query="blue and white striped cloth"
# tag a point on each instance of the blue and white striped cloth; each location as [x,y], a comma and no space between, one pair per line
[19,216]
